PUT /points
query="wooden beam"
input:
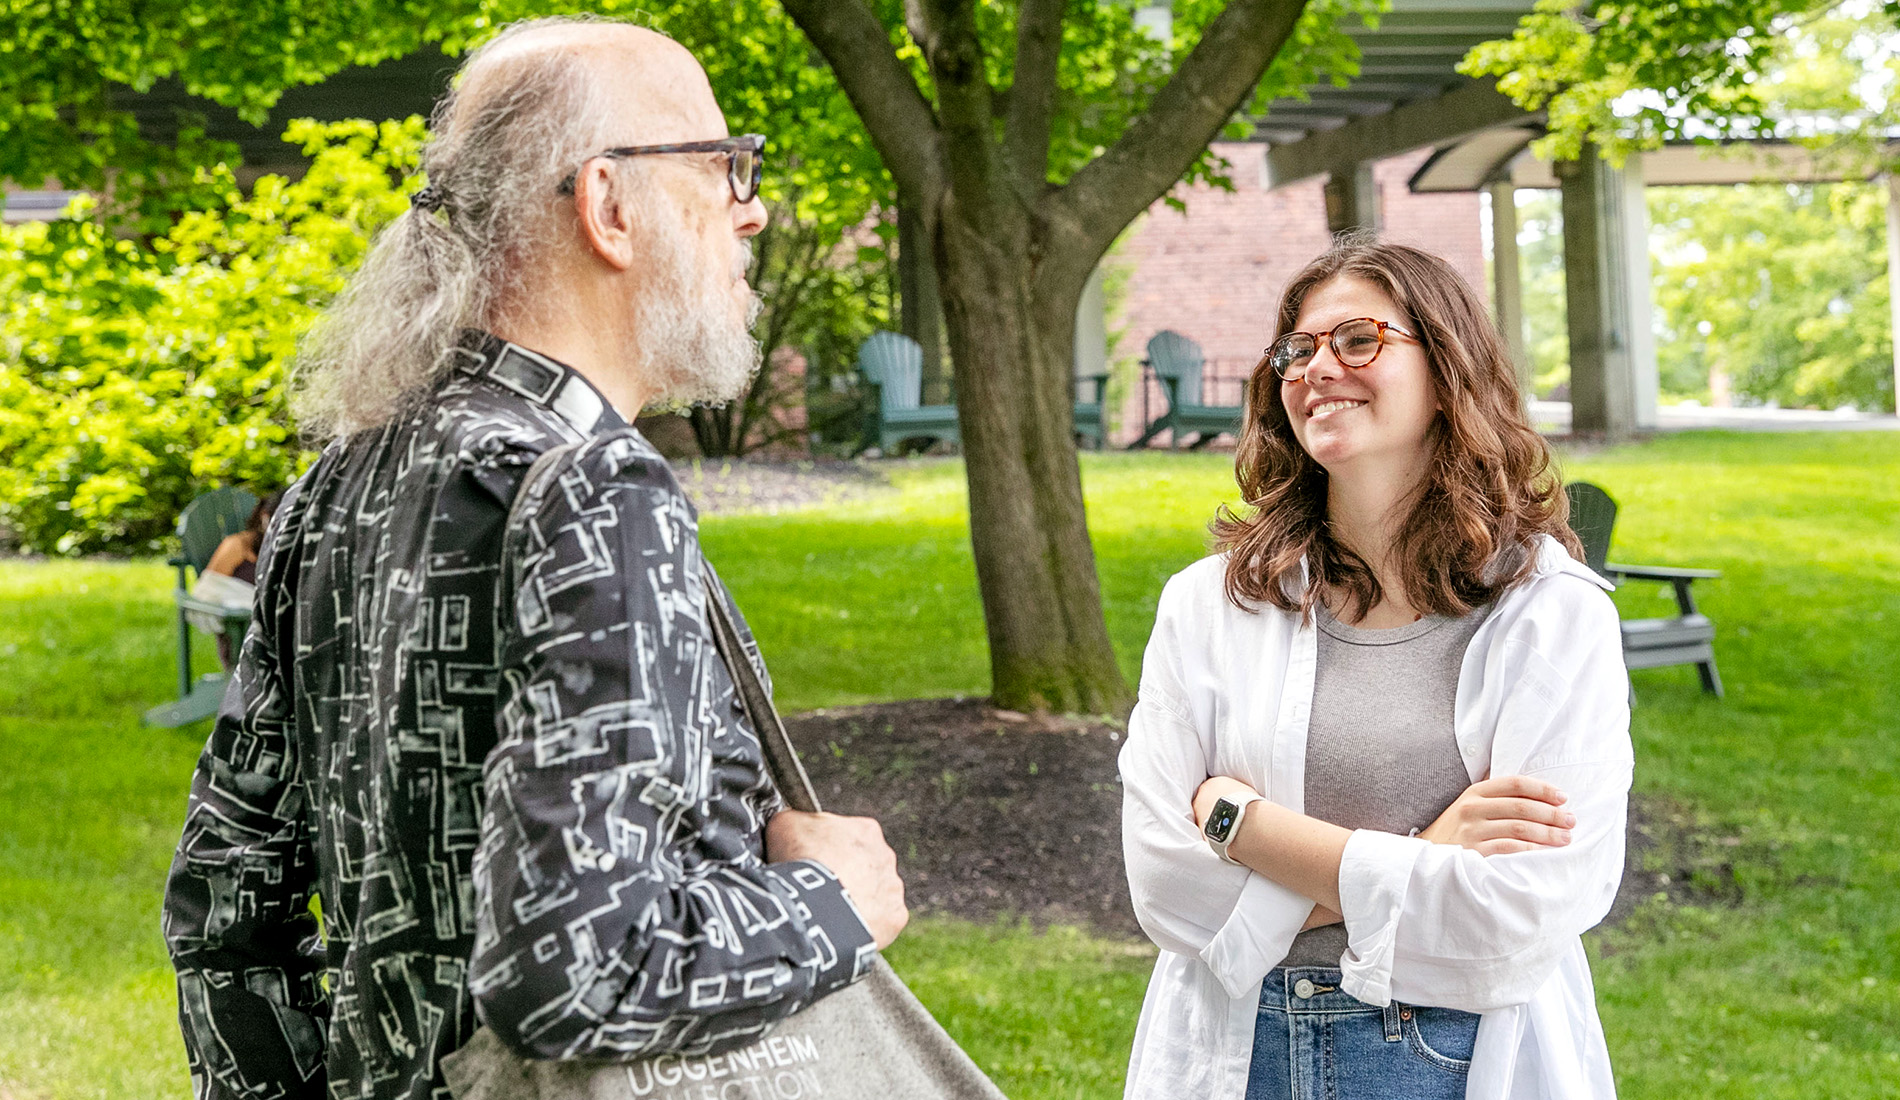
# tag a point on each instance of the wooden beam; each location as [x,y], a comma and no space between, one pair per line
[1466,110]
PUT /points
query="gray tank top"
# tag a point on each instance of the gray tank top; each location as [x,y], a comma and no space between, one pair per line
[1381,753]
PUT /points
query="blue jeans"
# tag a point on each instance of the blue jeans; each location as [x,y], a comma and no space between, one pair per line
[1313,1042]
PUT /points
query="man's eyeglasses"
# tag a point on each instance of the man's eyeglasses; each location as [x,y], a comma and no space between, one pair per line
[1355,343]
[745,164]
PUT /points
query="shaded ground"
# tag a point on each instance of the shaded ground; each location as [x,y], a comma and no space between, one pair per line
[995,813]
[756,485]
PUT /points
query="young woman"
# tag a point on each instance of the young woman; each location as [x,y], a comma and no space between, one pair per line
[1376,780]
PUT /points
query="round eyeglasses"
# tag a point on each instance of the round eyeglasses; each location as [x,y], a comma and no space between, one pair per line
[1355,343]
[745,161]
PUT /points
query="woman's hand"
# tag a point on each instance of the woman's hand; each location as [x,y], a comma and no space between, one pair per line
[1218,787]
[1514,813]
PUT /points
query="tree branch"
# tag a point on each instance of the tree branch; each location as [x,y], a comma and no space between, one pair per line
[892,108]
[955,55]
[1032,94]
[1187,114]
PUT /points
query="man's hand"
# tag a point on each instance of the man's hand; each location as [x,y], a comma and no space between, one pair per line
[1513,813]
[852,848]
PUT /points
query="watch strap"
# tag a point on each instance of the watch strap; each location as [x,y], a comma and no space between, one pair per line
[1240,816]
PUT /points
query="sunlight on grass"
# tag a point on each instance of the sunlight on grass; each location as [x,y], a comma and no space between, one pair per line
[1793,993]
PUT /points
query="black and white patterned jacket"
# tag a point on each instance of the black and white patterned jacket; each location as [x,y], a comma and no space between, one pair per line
[523,792]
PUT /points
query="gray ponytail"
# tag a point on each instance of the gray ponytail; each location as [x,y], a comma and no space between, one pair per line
[515,125]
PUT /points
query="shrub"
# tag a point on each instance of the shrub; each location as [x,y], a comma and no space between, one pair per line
[137,373]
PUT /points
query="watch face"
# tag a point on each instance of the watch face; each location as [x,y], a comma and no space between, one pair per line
[1221,821]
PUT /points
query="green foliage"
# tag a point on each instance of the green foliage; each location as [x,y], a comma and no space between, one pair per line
[1781,288]
[1630,75]
[62,65]
[136,374]
[1698,59]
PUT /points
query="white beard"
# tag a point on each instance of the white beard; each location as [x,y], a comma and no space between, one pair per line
[696,352]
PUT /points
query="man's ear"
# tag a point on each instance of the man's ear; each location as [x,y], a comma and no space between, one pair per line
[606,223]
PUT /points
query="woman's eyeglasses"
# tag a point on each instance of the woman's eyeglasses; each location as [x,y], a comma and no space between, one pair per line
[1355,343]
[745,162]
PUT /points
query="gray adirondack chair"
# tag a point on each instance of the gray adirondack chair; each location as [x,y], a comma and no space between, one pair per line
[894,363]
[1685,638]
[1177,361]
[201,527]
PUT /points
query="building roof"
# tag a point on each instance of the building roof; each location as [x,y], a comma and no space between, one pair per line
[397,88]
[1503,155]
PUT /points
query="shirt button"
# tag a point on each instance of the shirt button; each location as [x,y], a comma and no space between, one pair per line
[1303,989]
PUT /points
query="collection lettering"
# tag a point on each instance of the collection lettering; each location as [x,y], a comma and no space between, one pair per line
[778,1068]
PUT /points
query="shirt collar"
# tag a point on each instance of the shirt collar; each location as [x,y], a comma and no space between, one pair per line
[538,379]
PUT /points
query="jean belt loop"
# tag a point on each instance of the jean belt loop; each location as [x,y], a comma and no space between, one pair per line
[1392,1033]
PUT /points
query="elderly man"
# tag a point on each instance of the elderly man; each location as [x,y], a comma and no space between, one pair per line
[509,767]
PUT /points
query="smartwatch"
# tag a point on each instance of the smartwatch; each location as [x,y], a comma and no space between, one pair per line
[1223,823]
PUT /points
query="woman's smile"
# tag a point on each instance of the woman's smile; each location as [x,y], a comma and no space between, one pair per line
[1332,405]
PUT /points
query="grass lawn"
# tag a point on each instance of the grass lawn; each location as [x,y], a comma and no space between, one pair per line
[1790,783]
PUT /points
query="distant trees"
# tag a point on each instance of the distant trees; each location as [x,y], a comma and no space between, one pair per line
[1780,293]
[1770,292]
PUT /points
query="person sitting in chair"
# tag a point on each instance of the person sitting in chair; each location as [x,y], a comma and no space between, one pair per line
[231,574]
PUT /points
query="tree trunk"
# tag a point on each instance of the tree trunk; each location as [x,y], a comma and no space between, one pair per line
[1035,564]
[1013,253]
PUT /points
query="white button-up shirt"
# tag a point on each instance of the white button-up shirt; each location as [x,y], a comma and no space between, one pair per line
[1542,692]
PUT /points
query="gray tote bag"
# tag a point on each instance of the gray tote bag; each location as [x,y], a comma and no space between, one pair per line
[870,1041]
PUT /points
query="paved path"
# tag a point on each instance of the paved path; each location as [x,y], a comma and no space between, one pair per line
[1555,416]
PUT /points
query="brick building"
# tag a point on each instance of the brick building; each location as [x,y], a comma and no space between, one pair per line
[1214,273]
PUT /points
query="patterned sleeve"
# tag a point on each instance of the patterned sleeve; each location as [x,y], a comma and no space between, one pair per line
[237,916]
[622,906]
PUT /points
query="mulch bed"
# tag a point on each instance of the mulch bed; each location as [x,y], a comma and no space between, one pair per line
[998,814]
[991,813]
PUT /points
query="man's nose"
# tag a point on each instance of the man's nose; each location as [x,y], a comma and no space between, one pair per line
[749,217]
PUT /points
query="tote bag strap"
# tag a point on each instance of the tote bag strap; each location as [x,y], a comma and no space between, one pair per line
[787,770]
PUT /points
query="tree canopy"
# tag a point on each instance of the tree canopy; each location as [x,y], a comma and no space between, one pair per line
[1627,75]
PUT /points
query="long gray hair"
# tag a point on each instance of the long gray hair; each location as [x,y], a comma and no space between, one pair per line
[501,143]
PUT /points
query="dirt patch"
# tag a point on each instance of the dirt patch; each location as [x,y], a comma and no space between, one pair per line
[1670,852]
[991,813]
[994,813]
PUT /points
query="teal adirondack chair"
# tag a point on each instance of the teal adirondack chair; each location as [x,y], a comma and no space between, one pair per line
[1177,361]
[201,527]
[894,363]
[1685,638]
[1089,421]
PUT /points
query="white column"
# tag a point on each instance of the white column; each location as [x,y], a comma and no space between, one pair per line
[1352,199]
[1606,275]
[1638,315]
[1507,281]
[1091,328]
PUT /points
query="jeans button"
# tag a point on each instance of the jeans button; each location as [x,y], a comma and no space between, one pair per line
[1303,989]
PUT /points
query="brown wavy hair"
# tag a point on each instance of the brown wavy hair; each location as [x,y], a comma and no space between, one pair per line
[1490,490]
